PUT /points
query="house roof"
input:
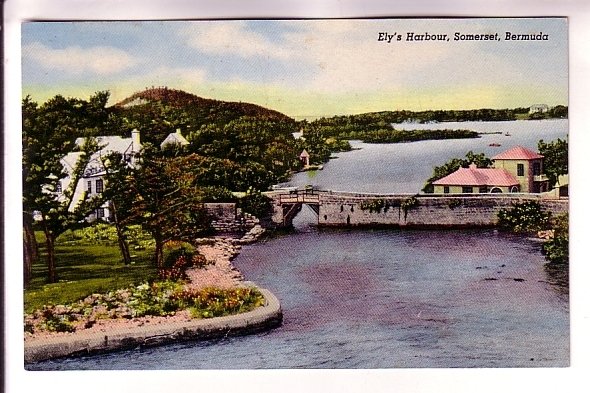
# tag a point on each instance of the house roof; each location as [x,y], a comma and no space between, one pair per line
[517,153]
[474,176]
[175,138]
[304,153]
[70,160]
[112,144]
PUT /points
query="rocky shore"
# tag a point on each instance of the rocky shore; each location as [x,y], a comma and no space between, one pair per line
[219,273]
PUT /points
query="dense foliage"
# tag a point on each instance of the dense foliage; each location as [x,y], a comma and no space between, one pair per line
[529,218]
[49,132]
[168,109]
[255,203]
[397,136]
[376,127]
[524,217]
[338,126]
[557,249]
[480,160]
[247,152]
[555,158]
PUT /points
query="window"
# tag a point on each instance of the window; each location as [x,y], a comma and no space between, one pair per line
[89,188]
[99,186]
[446,190]
[483,190]
[100,212]
[514,189]
[519,169]
[536,168]
[467,190]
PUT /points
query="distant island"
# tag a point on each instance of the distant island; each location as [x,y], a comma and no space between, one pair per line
[377,127]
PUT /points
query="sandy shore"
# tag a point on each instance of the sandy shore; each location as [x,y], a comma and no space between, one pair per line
[219,273]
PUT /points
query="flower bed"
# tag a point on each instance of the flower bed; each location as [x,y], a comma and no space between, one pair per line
[162,298]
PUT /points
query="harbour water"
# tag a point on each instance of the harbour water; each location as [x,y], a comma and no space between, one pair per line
[390,298]
[404,167]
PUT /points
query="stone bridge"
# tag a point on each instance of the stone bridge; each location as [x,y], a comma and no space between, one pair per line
[335,208]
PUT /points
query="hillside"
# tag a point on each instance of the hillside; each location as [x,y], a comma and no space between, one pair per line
[181,99]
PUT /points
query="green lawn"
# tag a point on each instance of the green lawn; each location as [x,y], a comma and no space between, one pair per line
[84,268]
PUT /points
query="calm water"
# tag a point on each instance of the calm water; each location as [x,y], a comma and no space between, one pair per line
[386,298]
[404,167]
[390,298]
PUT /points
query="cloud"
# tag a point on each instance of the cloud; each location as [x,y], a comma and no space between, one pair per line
[100,60]
[231,38]
[321,56]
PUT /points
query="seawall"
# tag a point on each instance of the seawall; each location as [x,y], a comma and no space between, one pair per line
[419,211]
[83,343]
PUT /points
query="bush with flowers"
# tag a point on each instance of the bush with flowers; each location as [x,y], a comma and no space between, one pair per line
[160,298]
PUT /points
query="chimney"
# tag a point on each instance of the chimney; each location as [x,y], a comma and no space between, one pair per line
[135,138]
[178,131]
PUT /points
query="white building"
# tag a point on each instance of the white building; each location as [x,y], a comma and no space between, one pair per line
[539,108]
[174,138]
[92,181]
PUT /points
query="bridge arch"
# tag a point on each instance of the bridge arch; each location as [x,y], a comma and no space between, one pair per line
[288,204]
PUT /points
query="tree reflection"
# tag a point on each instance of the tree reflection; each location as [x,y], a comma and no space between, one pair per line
[558,276]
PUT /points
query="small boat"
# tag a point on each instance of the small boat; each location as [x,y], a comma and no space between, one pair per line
[507,134]
[495,145]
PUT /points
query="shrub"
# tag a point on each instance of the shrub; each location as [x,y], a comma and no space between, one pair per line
[255,203]
[408,204]
[179,260]
[94,233]
[214,302]
[185,250]
[525,217]
[556,250]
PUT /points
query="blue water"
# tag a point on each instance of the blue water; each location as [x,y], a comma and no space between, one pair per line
[404,167]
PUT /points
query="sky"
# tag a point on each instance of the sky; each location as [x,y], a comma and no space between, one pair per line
[303,68]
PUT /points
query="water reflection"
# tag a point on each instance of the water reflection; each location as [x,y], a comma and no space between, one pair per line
[558,277]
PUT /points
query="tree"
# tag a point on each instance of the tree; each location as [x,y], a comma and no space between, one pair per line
[58,214]
[117,176]
[167,201]
[48,135]
[555,162]
[480,160]
[559,111]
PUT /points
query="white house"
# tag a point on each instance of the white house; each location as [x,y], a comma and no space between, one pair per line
[92,181]
[174,138]
[538,108]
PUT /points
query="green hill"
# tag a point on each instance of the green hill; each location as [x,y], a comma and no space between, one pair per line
[166,109]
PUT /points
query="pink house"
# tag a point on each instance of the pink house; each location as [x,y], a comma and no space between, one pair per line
[477,180]
[515,170]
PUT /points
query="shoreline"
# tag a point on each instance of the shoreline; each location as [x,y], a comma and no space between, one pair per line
[109,335]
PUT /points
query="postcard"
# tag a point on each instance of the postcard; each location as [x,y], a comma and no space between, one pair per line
[245,194]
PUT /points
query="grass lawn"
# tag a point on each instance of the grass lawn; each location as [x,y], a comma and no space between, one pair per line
[84,268]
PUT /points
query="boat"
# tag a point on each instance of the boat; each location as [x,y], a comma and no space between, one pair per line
[495,145]
[507,134]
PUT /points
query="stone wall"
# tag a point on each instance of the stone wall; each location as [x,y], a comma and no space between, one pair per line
[341,209]
[227,218]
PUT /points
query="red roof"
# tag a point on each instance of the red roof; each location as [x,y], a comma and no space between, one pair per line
[474,176]
[517,153]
